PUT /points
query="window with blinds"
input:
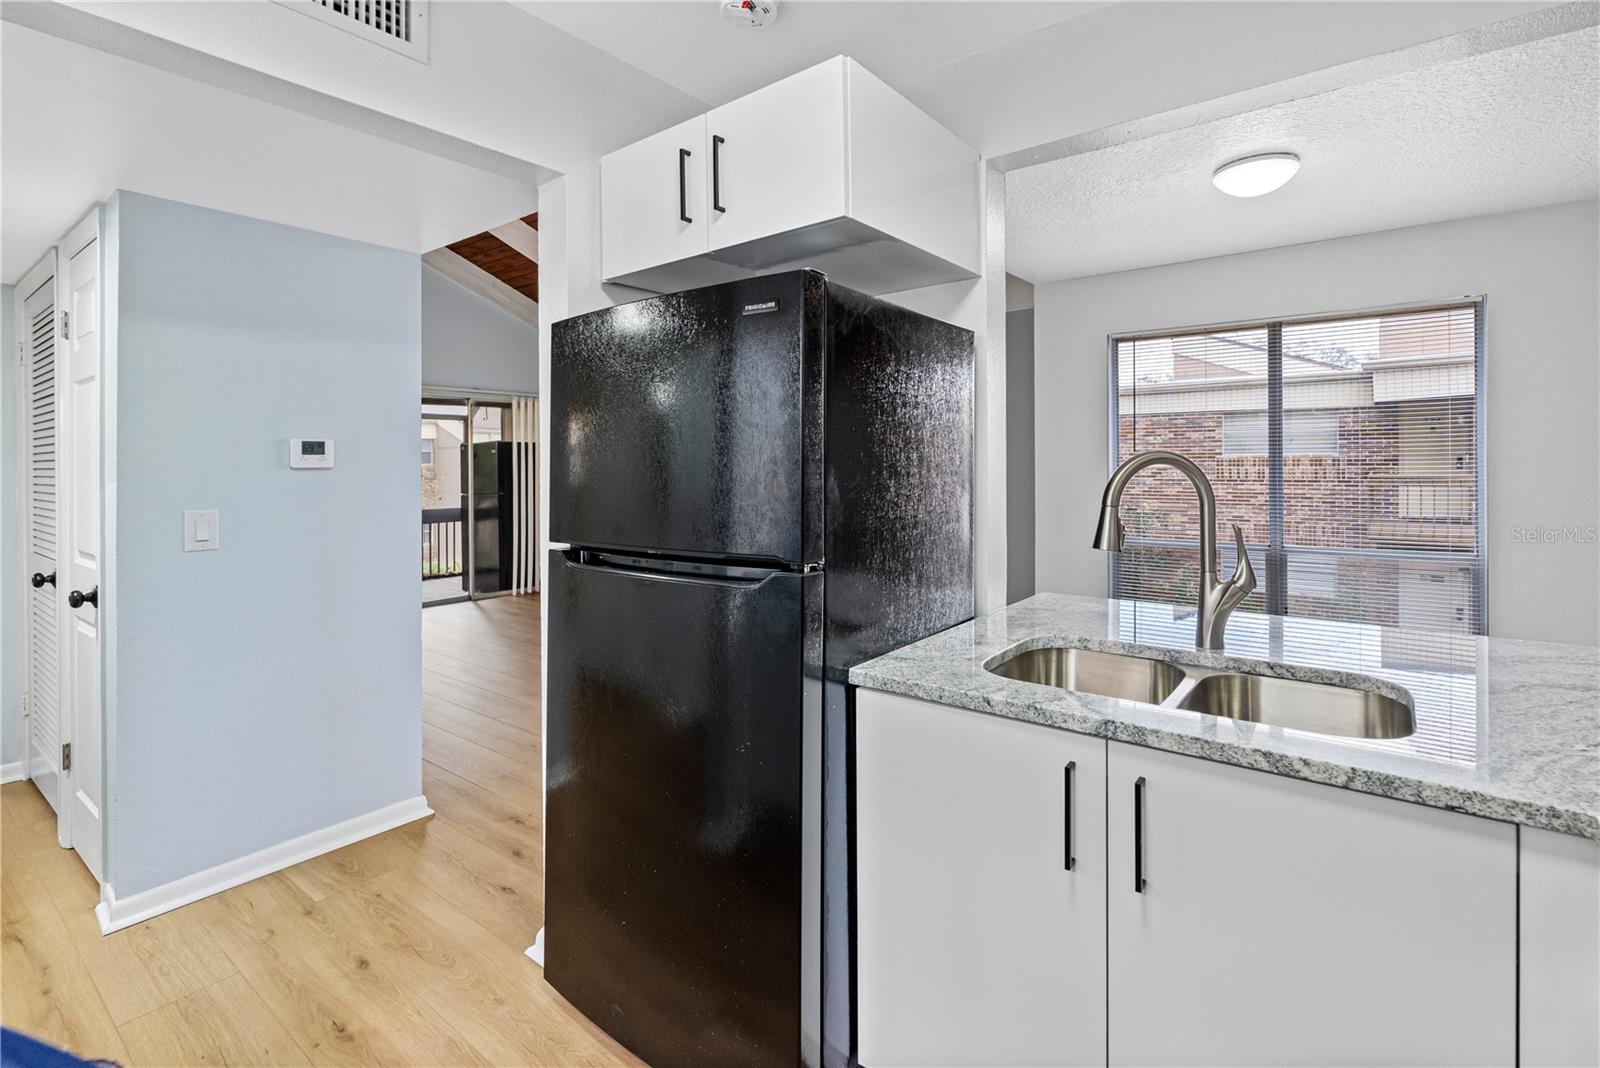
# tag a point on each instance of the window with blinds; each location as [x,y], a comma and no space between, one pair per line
[1346,448]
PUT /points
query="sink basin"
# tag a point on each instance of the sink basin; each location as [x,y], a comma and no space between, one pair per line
[1109,674]
[1306,706]
[1345,711]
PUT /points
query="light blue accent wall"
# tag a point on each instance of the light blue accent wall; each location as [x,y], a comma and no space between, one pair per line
[12,675]
[269,688]
[471,342]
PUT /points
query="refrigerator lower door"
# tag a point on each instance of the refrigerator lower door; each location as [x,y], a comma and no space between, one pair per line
[675,811]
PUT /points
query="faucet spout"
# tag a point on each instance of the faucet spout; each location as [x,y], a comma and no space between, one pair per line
[1217,598]
[1109,533]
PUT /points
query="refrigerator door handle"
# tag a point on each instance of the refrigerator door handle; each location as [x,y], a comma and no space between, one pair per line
[698,572]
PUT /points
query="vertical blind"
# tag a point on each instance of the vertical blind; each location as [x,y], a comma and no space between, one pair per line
[1345,448]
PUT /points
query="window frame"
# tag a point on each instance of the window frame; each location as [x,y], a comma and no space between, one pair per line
[1277,599]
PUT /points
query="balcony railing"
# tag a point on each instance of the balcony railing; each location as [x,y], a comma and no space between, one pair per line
[443,554]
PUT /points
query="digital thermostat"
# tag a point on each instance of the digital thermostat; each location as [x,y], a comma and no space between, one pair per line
[310,452]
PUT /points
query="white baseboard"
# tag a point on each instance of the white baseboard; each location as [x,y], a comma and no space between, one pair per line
[13,771]
[115,913]
[535,952]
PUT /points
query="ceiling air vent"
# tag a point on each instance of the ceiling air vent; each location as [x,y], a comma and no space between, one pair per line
[401,25]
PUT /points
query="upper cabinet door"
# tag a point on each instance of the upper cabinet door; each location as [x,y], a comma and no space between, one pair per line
[1280,922]
[653,199]
[980,889]
[777,157]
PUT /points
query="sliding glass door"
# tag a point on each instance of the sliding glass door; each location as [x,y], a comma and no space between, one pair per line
[477,512]
[446,476]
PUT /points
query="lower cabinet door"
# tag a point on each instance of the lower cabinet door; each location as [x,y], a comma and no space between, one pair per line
[1279,922]
[981,889]
[1559,1022]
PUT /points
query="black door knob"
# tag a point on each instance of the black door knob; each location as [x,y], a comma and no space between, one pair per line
[39,579]
[78,600]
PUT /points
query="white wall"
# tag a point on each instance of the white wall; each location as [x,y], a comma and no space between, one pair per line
[12,564]
[1020,580]
[270,688]
[980,306]
[1020,523]
[1538,270]
[472,343]
[495,76]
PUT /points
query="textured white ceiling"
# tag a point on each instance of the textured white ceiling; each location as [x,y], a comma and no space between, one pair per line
[1508,129]
[687,44]
[1009,76]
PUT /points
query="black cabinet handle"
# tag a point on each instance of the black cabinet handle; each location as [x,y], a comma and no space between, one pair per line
[717,142]
[1138,835]
[1066,804]
[683,185]
[39,579]
[78,600]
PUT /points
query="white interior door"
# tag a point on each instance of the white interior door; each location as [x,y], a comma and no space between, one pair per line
[82,779]
[37,331]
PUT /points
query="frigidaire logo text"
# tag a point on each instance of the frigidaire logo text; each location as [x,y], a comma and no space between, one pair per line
[764,306]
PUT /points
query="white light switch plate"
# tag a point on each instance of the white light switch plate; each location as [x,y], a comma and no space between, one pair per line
[201,531]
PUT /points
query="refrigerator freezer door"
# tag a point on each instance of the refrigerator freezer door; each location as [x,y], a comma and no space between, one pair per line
[673,859]
[692,423]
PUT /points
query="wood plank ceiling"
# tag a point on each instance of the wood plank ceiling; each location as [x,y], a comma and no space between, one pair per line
[493,256]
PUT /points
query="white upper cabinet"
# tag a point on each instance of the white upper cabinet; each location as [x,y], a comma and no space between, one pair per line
[829,168]
[653,199]
[778,162]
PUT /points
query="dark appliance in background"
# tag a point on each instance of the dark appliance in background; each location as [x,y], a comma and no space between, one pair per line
[761,484]
[491,516]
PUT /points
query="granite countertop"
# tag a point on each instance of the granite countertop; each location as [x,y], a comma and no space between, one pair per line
[1505,729]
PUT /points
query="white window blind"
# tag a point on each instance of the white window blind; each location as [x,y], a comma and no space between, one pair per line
[1345,447]
[1245,433]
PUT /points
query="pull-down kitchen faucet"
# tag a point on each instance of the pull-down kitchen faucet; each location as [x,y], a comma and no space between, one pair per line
[1218,598]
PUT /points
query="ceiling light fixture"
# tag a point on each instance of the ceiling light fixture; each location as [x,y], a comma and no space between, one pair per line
[1253,176]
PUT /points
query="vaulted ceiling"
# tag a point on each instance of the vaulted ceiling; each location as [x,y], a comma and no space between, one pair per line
[490,252]
[500,264]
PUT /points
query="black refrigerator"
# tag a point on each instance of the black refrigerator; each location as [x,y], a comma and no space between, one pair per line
[491,516]
[758,485]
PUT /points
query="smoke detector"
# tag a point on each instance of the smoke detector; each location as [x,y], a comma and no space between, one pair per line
[749,12]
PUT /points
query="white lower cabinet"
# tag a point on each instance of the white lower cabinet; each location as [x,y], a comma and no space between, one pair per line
[977,944]
[1559,1021]
[1285,923]
[1278,922]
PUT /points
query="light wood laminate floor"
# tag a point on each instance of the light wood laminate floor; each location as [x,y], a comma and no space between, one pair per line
[404,949]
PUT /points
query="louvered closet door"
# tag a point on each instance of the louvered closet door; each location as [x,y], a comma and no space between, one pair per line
[38,327]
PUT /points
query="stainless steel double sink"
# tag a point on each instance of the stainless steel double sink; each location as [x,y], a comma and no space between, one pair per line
[1346,711]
